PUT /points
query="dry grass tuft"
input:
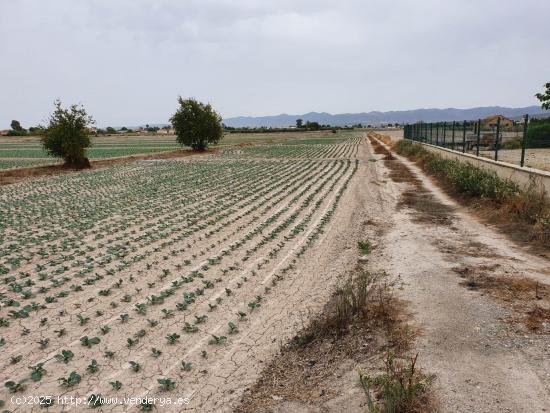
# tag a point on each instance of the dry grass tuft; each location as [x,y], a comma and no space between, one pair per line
[402,388]
[362,321]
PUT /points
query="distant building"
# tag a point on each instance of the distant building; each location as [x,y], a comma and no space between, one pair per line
[491,121]
[4,132]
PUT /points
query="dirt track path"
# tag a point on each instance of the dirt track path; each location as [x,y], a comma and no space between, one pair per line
[483,362]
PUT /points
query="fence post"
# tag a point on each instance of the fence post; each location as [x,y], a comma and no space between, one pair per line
[524,140]
[496,138]
[426,128]
[464,137]
[453,136]
[478,136]
[437,134]
[444,140]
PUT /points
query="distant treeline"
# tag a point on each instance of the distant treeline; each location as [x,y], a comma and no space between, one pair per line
[279,130]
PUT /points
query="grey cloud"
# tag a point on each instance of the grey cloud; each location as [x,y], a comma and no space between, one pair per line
[128,60]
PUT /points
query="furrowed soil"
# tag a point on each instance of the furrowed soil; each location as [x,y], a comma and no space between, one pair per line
[259,239]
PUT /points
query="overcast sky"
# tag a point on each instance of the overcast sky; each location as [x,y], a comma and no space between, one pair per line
[128,60]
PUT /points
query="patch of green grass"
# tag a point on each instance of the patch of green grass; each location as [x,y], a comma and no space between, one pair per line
[365,247]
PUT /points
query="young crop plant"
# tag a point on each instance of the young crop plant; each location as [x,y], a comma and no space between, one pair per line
[186,366]
[232,328]
[166,384]
[130,342]
[15,386]
[200,318]
[146,406]
[73,379]
[117,385]
[93,367]
[172,338]
[105,329]
[65,356]
[37,372]
[82,320]
[190,328]
[89,342]
[135,366]
[155,352]
[167,313]
[43,343]
[15,359]
[217,339]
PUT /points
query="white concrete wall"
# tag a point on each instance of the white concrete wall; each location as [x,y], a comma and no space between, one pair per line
[504,170]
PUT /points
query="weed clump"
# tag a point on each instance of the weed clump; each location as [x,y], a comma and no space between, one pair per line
[400,388]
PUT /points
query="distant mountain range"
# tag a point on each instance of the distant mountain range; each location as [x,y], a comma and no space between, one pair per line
[377,118]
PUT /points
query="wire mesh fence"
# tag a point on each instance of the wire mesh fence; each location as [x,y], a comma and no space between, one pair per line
[523,143]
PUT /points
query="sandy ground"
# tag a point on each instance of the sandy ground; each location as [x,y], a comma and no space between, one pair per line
[534,158]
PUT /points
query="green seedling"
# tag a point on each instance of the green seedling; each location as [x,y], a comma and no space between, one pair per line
[73,379]
[93,367]
[65,356]
[172,338]
[217,339]
[166,384]
[89,342]
[37,372]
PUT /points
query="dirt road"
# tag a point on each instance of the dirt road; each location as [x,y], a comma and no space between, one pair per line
[484,361]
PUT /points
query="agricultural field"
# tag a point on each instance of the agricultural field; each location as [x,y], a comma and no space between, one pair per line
[142,278]
[17,152]
[20,152]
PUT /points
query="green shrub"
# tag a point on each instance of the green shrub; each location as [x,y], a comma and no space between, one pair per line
[538,136]
[67,135]
[409,149]
[196,124]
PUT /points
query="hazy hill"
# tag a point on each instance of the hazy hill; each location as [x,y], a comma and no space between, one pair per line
[376,118]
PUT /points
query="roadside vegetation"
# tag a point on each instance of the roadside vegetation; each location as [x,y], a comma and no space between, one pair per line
[518,209]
